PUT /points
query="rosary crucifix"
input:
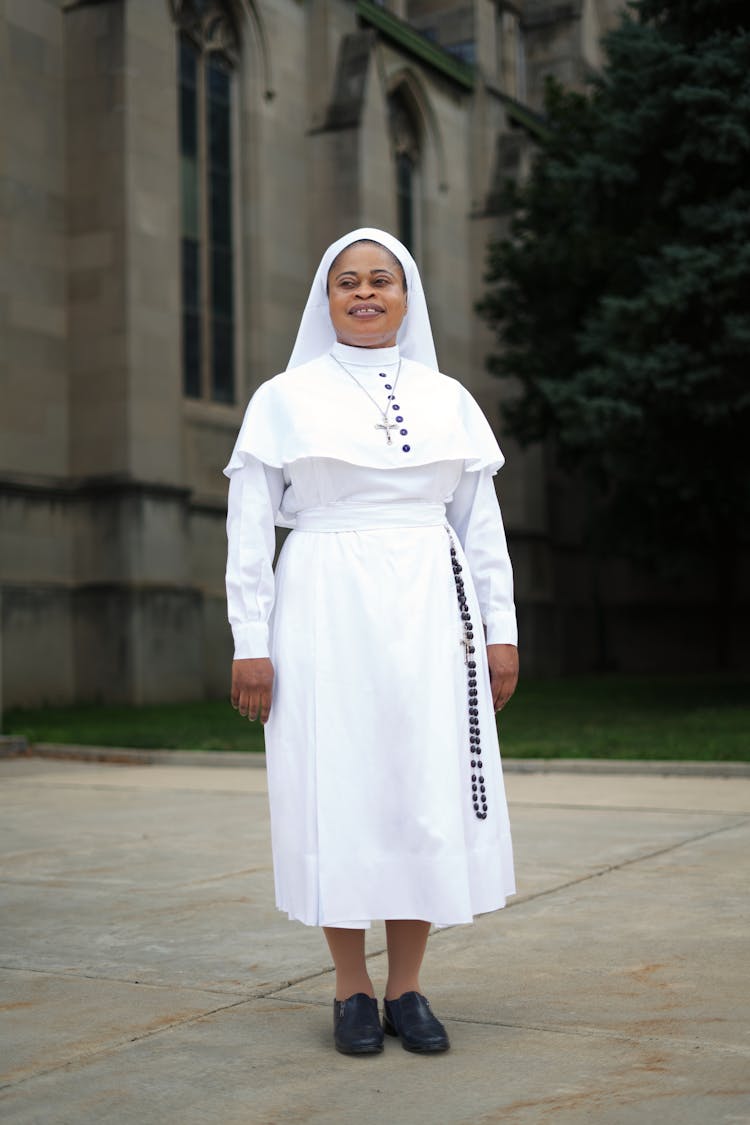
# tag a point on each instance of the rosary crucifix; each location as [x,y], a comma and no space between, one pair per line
[387,426]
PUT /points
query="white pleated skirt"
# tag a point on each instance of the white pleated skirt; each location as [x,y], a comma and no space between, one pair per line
[367,745]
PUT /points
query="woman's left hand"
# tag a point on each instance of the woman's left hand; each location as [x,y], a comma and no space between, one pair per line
[503,663]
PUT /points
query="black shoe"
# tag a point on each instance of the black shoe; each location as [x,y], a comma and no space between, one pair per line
[356,1025]
[410,1017]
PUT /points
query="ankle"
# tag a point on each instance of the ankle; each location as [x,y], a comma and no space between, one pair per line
[347,988]
[397,990]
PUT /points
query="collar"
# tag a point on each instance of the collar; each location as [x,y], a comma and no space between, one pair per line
[365,357]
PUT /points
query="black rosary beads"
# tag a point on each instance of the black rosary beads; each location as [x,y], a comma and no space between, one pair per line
[478,787]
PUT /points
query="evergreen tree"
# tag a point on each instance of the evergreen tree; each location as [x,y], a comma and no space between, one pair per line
[621,295]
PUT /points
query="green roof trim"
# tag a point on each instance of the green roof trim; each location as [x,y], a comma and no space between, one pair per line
[416,44]
[534,122]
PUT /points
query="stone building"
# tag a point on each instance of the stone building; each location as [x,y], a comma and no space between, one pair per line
[170,171]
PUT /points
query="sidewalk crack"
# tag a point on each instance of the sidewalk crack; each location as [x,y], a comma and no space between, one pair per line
[87,1056]
[611,867]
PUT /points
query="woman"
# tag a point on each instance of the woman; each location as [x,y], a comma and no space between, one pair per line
[366,662]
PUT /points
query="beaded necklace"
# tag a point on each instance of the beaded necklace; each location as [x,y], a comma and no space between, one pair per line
[384,424]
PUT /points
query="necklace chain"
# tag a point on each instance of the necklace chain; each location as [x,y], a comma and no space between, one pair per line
[385,424]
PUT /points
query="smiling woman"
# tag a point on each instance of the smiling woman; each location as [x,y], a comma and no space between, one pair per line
[364,655]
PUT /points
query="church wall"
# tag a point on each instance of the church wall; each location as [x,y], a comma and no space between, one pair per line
[133,585]
[35,545]
[37,571]
[37,624]
[281,273]
[34,419]
[340,84]
[447,267]
[93,94]
[208,562]
[134,591]
[552,35]
[373,156]
[130,645]
[597,18]
[336,192]
[152,244]
[486,18]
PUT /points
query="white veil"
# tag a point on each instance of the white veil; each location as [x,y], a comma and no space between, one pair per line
[316,335]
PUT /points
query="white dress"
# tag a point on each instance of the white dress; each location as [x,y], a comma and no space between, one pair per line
[368,743]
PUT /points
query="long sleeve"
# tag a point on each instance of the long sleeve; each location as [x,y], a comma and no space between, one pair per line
[255,492]
[474,513]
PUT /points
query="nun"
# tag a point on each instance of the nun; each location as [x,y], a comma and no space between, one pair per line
[381,648]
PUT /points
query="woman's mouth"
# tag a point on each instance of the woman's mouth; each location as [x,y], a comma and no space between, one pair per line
[363,312]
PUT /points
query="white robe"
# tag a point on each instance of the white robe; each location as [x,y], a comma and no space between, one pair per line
[367,745]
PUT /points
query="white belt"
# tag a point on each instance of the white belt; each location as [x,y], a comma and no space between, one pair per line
[368,517]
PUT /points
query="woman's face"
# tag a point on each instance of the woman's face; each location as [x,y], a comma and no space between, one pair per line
[366,296]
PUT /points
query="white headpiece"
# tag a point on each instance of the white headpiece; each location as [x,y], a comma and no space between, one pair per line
[316,334]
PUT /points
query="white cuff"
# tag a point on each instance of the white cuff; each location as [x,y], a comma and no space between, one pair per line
[502,628]
[250,640]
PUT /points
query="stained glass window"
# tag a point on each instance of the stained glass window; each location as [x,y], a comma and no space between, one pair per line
[207,52]
[405,198]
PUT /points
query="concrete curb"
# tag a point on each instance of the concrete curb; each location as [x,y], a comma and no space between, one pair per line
[12,745]
[626,766]
[123,755]
[130,756]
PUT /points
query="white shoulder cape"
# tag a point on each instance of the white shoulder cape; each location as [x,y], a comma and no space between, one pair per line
[316,411]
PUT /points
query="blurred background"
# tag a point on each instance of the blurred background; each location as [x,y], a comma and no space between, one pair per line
[170,172]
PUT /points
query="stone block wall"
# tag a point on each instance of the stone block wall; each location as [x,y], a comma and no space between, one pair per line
[93,94]
[34,423]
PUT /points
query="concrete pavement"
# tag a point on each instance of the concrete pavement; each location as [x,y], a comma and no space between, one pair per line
[146,977]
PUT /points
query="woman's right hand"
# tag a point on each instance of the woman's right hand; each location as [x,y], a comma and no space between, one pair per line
[252,687]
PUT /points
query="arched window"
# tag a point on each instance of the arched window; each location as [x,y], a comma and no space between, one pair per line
[406,149]
[208,53]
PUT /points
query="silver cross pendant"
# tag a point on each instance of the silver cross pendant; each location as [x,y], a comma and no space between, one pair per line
[387,426]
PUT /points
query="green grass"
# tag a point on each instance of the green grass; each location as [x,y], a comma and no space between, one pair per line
[169,726]
[691,718]
[705,718]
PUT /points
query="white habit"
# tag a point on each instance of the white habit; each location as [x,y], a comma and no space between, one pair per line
[369,762]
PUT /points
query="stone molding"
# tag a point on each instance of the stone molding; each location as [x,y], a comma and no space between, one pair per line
[46,487]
